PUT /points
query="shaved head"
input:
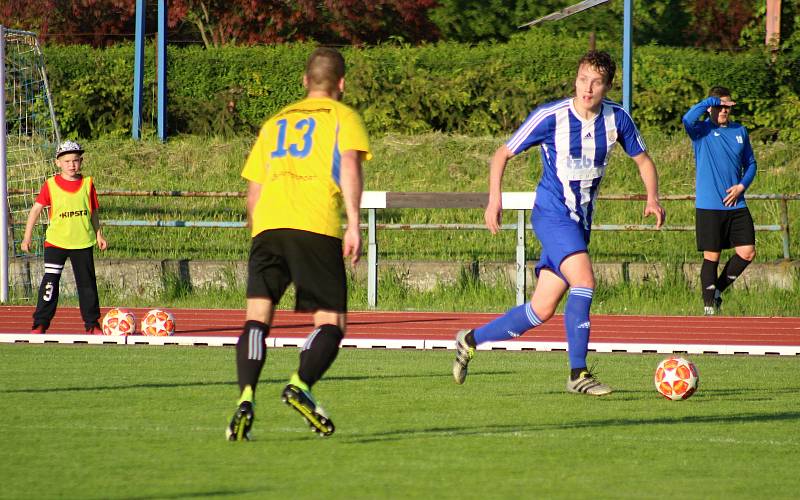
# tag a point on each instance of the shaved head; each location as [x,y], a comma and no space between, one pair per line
[324,69]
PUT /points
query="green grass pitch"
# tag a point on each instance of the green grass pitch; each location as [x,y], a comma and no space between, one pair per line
[148,422]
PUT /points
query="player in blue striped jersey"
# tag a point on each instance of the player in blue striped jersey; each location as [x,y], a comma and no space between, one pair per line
[576,135]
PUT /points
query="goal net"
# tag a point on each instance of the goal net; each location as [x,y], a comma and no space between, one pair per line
[28,140]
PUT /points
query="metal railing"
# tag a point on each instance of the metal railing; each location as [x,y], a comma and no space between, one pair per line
[372,201]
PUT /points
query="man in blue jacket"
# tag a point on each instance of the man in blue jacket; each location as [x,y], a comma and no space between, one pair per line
[725,169]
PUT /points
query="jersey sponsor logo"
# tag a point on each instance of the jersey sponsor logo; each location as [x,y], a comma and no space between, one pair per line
[73,213]
[579,163]
[304,111]
[739,139]
[578,169]
[588,135]
[716,134]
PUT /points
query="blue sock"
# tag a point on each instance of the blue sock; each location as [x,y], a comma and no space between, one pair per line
[512,324]
[577,324]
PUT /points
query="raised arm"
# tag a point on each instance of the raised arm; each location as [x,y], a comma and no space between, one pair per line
[694,114]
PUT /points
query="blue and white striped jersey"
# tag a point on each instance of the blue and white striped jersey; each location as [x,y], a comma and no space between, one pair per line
[575,153]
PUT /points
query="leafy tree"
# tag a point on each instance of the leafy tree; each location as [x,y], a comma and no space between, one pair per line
[223,22]
[94,22]
[226,22]
[719,23]
[705,23]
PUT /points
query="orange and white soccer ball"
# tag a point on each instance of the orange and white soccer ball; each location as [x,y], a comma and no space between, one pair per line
[119,321]
[158,322]
[676,378]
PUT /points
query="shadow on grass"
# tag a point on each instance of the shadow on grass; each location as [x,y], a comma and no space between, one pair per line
[176,385]
[196,494]
[399,435]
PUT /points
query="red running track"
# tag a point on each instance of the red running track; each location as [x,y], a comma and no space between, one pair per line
[719,330]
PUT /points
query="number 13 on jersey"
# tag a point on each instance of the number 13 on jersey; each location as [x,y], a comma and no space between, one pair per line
[302,147]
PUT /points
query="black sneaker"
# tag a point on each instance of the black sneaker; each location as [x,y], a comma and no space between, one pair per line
[304,404]
[242,421]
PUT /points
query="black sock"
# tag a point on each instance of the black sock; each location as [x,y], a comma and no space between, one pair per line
[732,270]
[318,353]
[708,279]
[469,338]
[251,353]
[573,374]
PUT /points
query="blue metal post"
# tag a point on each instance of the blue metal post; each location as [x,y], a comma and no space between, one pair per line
[138,71]
[627,57]
[162,70]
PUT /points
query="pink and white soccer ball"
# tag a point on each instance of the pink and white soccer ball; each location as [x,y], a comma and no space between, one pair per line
[158,322]
[676,378]
[119,321]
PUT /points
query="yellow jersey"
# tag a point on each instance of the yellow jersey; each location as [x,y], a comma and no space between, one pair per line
[297,161]
[70,216]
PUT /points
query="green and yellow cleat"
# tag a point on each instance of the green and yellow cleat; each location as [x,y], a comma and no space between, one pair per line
[304,404]
[242,421]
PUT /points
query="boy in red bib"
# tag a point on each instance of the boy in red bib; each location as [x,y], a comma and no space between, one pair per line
[73,231]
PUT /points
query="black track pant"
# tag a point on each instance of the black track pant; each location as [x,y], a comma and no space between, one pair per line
[82,261]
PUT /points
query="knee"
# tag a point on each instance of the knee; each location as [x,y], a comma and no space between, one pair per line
[332,332]
[543,312]
[584,282]
[747,254]
[584,279]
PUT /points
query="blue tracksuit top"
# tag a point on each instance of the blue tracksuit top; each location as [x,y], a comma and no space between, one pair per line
[723,157]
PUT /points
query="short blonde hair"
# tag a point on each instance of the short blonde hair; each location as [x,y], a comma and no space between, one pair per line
[324,69]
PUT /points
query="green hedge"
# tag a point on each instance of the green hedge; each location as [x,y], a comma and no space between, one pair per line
[475,90]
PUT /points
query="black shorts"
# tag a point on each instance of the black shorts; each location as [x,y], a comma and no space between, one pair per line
[313,262]
[719,229]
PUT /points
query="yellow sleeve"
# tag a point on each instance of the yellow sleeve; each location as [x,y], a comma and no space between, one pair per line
[353,134]
[255,168]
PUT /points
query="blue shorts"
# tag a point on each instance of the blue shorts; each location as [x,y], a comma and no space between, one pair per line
[560,238]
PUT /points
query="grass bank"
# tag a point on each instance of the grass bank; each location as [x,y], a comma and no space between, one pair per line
[431,162]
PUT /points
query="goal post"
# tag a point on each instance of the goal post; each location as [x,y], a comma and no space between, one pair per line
[28,138]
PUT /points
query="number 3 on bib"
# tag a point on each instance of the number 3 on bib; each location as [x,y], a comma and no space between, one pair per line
[300,150]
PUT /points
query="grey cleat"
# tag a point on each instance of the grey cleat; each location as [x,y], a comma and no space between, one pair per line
[587,384]
[464,353]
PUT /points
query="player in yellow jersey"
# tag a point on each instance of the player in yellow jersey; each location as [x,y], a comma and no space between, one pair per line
[303,172]
[73,230]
